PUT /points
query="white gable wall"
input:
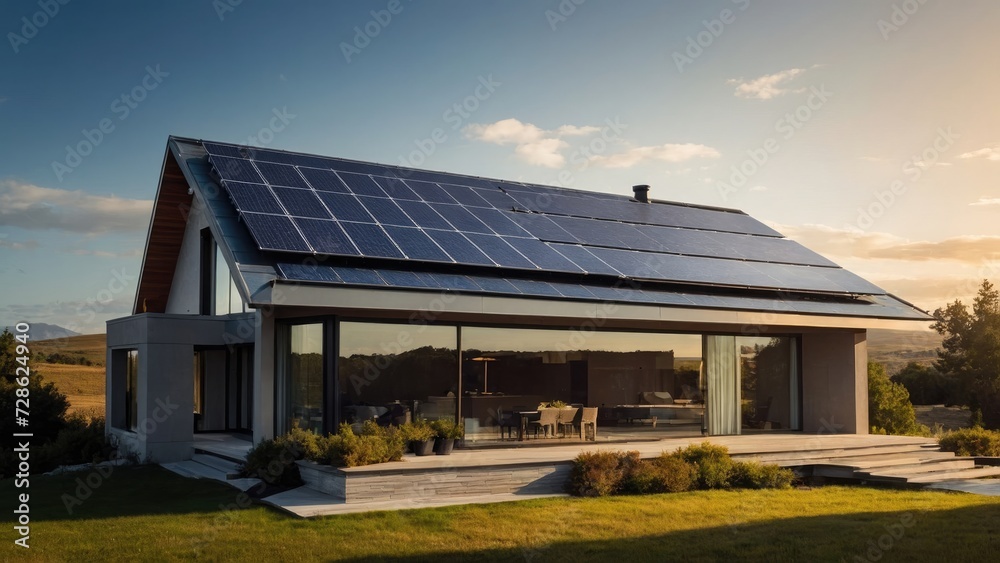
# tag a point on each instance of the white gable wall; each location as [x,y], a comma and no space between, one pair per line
[185,290]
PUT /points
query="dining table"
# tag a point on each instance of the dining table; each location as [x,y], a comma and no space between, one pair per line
[523,418]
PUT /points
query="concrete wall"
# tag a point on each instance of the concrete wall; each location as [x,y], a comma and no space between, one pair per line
[185,290]
[165,387]
[835,382]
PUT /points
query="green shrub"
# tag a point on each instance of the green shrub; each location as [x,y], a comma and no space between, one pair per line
[417,431]
[375,444]
[972,442]
[448,428]
[303,443]
[598,474]
[756,475]
[889,407]
[713,463]
[273,462]
[668,473]
[82,440]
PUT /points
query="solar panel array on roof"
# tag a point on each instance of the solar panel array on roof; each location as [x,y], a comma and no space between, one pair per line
[878,306]
[310,204]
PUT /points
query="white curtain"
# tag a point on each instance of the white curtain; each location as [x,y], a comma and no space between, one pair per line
[723,402]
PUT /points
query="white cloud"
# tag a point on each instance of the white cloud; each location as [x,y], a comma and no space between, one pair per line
[767,86]
[989,153]
[986,202]
[669,152]
[533,144]
[16,244]
[33,207]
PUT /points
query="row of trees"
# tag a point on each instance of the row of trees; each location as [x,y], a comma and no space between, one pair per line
[967,371]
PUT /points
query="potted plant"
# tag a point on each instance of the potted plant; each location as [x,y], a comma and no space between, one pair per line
[447,431]
[557,404]
[420,436]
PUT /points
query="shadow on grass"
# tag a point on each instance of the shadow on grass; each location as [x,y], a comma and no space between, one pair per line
[126,491]
[963,534]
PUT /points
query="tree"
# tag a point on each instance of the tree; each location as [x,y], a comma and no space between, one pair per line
[971,350]
[925,384]
[889,408]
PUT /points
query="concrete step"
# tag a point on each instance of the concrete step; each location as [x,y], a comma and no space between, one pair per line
[929,467]
[229,468]
[809,457]
[196,470]
[976,473]
[896,460]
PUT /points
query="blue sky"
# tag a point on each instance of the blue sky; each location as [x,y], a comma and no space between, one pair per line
[865,129]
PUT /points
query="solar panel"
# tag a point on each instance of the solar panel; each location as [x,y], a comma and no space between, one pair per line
[216,149]
[572,290]
[532,287]
[275,232]
[603,233]
[401,278]
[371,240]
[326,237]
[280,157]
[416,245]
[301,203]
[498,222]
[461,219]
[396,189]
[465,195]
[385,211]
[255,198]
[540,227]
[324,180]
[423,215]
[499,251]
[499,199]
[543,255]
[346,207]
[236,169]
[431,193]
[361,185]
[454,281]
[281,175]
[360,276]
[495,285]
[584,259]
[459,247]
[307,272]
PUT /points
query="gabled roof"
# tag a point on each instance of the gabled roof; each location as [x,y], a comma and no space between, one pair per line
[289,217]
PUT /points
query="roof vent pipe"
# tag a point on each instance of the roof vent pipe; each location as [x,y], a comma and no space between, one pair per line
[641,193]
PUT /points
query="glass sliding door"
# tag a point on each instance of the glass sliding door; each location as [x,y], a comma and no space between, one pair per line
[302,375]
[769,382]
[391,373]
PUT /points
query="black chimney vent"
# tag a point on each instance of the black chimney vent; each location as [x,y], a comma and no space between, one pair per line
[641,193]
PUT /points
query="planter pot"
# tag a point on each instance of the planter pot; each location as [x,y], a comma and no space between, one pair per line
[444,446]
[425,447]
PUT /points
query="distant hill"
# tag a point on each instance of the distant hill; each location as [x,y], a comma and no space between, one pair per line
[92,347]
[42,331]
[896,348]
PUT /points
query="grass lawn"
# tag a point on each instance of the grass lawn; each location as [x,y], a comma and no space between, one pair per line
[148,513]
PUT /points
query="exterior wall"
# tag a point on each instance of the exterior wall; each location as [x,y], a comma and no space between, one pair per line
[263,376]
[185,291]
[214,417]
[835,382]
[165,386]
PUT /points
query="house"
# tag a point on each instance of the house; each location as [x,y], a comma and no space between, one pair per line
[282,289]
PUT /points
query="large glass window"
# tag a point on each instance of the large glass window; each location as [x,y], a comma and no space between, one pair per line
[768,382]
[303,376]
[132,390]
[392,373]
[639,381]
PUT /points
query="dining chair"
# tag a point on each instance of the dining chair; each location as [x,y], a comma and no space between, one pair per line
[567,419]
[548,418]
